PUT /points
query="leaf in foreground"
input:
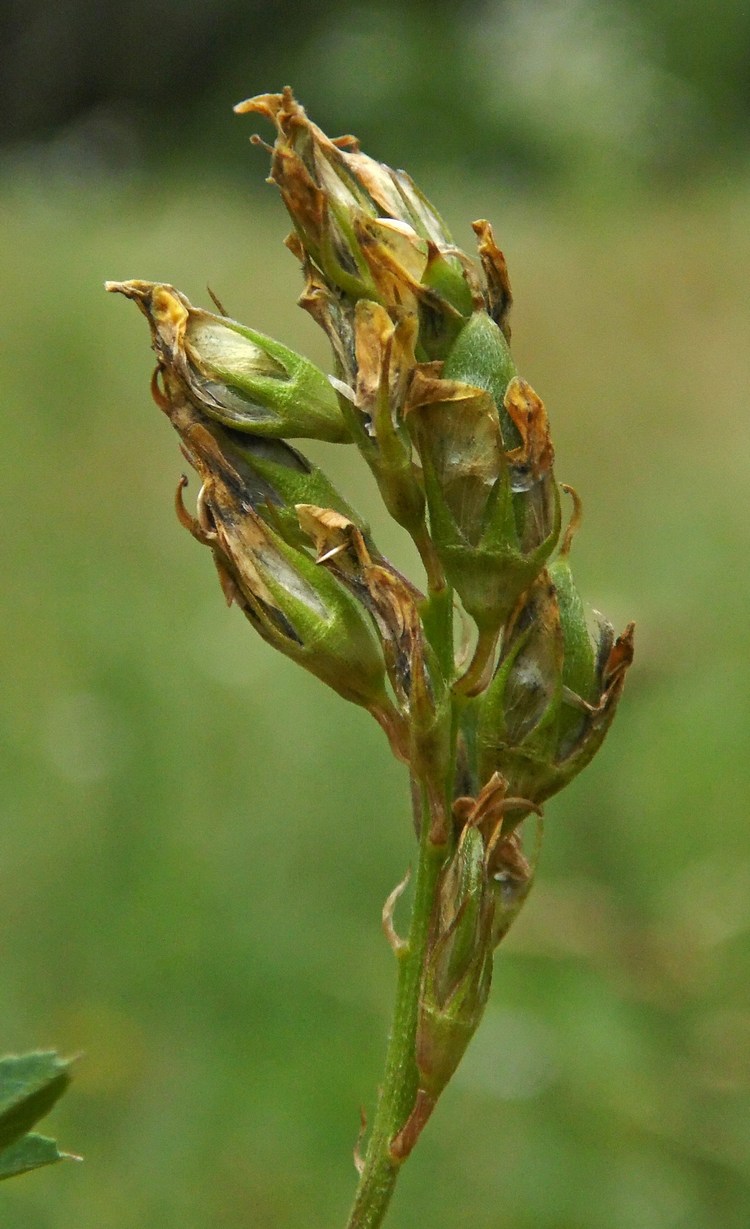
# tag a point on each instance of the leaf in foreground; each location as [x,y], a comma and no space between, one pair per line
[30,1084]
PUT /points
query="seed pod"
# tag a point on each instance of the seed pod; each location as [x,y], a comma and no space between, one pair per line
[295,605]
[367,228]
[493,503]
[531,726]
[458,966]
[234,374]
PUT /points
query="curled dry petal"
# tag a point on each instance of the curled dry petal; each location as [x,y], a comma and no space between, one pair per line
[488,811]
[385,363]
[384,357]
[535,456]
[619,661]
[499,297]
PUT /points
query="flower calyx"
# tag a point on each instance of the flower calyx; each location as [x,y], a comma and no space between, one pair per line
[372,234]
[234,374]
[421,691]
[556,687]
[483,439]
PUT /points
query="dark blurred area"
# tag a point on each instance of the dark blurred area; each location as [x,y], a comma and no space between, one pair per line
[659,89]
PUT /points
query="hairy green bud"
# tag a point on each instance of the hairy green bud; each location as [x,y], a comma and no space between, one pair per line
[481,356]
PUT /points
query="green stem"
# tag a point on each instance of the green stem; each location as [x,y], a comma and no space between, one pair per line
[399,1087]
[436,613]
[427,553]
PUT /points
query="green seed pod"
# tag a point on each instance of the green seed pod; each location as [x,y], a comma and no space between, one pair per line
[494,510]
[296,605]
[525,693]
[447,302]
[458,967]
[278,478]
[234,374]
[554,694]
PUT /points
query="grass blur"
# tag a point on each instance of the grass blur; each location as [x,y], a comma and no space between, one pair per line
[196,838]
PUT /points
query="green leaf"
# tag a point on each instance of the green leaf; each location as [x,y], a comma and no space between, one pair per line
[29,1152]
[30,1084]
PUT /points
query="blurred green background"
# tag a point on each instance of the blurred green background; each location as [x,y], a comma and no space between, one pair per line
[196,838]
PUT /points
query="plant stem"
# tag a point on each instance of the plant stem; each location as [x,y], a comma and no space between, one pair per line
[437,619]
[430,560]
[399,1086]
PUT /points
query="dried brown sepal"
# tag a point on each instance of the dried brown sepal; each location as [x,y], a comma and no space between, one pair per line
[358,1158]
[334,535]
[401,264]
[536,494]
[499,296]
[396,258]
[487,812]
[384,360]
[333,312]
[397,945]
[618,663]
[384,349]
[574,524]
[526,409]
[404,1142]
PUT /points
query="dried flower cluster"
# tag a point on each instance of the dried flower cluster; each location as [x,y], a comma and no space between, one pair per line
[425,387]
